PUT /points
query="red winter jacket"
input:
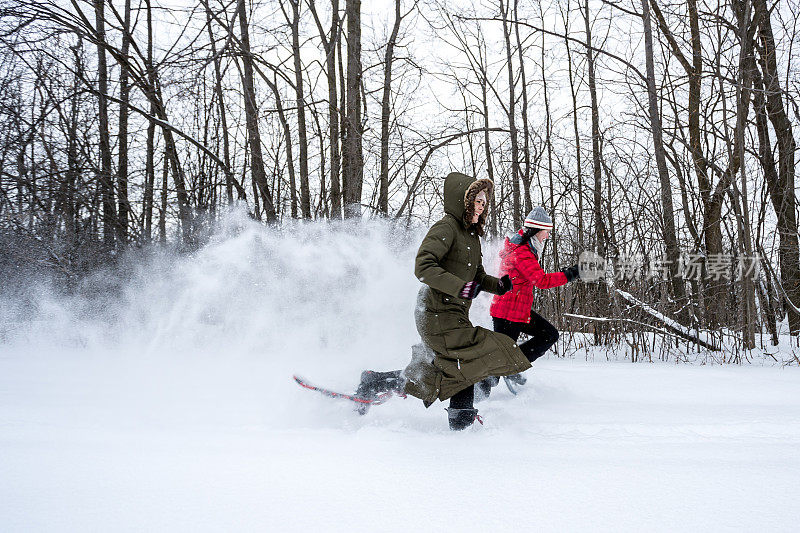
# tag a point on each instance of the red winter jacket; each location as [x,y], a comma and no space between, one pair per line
[521,265]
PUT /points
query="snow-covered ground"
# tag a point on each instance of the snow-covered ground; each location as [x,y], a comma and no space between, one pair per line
[171,408]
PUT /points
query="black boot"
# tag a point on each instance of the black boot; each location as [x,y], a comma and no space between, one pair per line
[373,383]
[462,418]
[461,413]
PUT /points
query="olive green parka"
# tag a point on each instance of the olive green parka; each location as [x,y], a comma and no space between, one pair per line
[450,256]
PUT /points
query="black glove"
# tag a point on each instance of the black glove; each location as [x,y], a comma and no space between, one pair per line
[470,290]
[572,273]
[505,285]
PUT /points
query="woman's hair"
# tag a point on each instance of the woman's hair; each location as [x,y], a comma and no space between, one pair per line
[528,234]
[469,204]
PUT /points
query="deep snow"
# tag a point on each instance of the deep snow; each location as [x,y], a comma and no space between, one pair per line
[171,407]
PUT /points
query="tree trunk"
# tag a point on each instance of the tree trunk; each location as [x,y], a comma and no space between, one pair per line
[578,159]
[162,220]
[781,186]
[526,142]
[712,214]
[745,77]
[150,169]
[256,204]
[70,212]
[383,196]
[251,117]
[601,297]
[68,201]
[777,193]
[149,183]
[305,193]
[548,142]
[329,44]
[668,211]
[352,156]
[223,118]
[487,146]
[511,112]
[599,225]
[106,189]
[123,208]
[340,58]
[333,115]
[322,208]
[287,136]
[768,312]
[172,159]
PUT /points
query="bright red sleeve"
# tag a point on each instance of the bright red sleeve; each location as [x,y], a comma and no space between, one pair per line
[527,265]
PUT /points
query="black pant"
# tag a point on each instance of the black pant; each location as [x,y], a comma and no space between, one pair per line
[463,399]
[542,334]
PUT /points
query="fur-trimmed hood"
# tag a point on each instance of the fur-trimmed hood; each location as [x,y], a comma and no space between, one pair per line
[460,192]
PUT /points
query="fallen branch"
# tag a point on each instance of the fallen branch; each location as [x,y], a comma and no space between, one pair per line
[673,326]
[670,324]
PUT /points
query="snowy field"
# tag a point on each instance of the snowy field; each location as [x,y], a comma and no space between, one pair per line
[165,403]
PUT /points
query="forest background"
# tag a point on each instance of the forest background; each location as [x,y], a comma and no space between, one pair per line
[656,134]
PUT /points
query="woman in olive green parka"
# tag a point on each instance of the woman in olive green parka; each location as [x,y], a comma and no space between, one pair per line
[455,354]
[450,264]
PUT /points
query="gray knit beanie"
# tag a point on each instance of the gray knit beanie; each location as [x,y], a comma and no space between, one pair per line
[538,218]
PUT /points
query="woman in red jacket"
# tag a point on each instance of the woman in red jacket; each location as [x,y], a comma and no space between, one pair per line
[512,313]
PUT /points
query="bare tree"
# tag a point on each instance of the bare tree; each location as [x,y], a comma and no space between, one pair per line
[576,130]
[123,207]
[220,97]
[287,135]
[251,113]
[329,45]
[294,24]
[599,224]
[781,184]
[526,144]
[104,176]
[352,155]
[670,233]
[511,112]
[383,196]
